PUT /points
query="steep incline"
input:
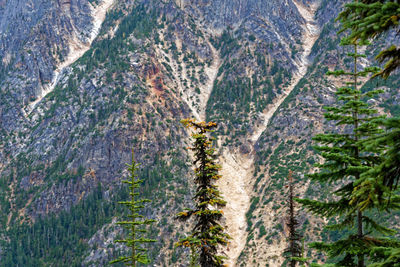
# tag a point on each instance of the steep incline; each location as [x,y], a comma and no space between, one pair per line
[165,63]
[76,50]
[237,168]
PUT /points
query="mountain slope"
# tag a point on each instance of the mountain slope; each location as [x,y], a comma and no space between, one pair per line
[85,81]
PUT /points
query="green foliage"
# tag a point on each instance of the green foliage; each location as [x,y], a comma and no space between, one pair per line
[112,55]
[135,221]
[207,233]
[237,98]
[346,159]
[386,256]
[302,260]
[367,19]
[70,230]
[227,43]
[388,103]
[249,213]
[377,185]
[370,18]
[141,22]
[61,239]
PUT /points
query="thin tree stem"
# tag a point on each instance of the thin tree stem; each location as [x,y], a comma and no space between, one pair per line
[357,153]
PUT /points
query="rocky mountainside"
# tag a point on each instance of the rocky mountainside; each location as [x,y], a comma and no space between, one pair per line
[84,81]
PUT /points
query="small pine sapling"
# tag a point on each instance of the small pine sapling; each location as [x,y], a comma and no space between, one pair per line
[135,222]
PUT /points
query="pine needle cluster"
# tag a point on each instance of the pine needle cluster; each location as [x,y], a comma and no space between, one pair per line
[370,18]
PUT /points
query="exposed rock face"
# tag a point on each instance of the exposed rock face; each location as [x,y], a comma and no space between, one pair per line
[153,63]
[35,37]
[224,13]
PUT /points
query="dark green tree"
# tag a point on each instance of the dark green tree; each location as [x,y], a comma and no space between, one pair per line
[377,189]
[368,19]
[207,234]
[135,223]
[345,160]
[294,250]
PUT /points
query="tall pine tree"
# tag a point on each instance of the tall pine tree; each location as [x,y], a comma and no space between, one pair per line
[135,222]
[345,160]
[207,234]
[368,19]
[377,188]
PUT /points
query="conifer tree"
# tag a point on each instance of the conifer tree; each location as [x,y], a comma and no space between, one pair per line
[294,250]
[346,159]
[367,19]
[377,188]
[135,223]
[207,234]
[370,18]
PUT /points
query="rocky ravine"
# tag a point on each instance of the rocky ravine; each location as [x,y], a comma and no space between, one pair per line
[237,168]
